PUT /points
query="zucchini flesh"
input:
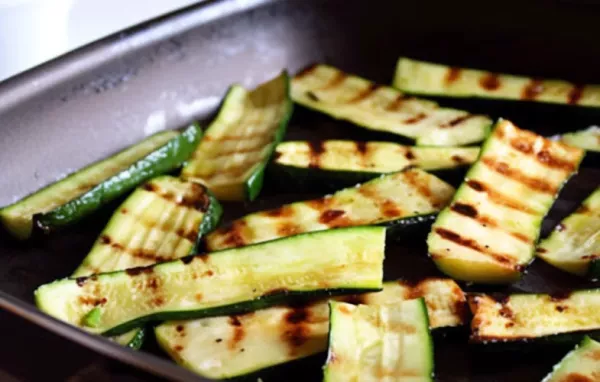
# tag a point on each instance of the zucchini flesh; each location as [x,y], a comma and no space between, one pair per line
[521,317]
[425,78]
[370,157]
[582,364]
[231,158]
[382,108]
[83,192]
[588,139]
[227,282]
[232,346]
[379,343]
[574,245]
[161,221]
[488,232]
[398,198]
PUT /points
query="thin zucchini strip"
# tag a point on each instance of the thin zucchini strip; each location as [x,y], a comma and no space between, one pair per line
[234,346]
[85,191]
[489,231]
[379,343]
[581,364]
[161,221]
[425,78]
[382,108]
[232,156]
[337,163]
[574,245]
[399,200]
[525,317]
[228,282]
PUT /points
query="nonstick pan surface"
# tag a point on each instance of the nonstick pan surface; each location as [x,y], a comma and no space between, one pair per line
[166,73]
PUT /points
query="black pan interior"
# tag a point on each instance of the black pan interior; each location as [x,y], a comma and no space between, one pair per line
[164,74]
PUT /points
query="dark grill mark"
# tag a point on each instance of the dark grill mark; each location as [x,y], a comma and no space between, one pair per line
[458,159]
[238,332]
[330,215]
[178,348]
[472,244]
[86,300]
[389,209]
[533,183]
[104,239]
[541,250]
[413,178]
[452,75]
[179,328]
[361,148]
[396,104]
[150,187]
[297,315]
[335,81]
[80,281]
[575,94]
[276,292]
[312,96]
[296,336]
[363,94]
[124,211]
[315,151]
[561,308]
[490,82]
[507,312]
[498,198]
[416,119]
[409,154]
[139,270]
[532,90]
[208,273]
[234,236]
[198,296]
[576,377]
[560,296]
[546,158]
[319,204]
[280,212]
[464,209]
[457,121]
[187,259]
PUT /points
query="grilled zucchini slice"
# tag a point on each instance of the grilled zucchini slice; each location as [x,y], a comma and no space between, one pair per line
[574,245]
[399,200]
[375,343]
[232,156]
[526,317]
[425,78]
[488,232]
[161,221]
[344,163]
[382,108]
[233,346]
[588,139]
[227,282]
[79,194]
[582,364]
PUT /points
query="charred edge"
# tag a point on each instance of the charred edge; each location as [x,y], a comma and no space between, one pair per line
[457,121]
[458,159]
[151,187]
[288,229]
[354,299]
[490,82]
[280,212]
[472,244]
[512,173]
[315,151]
[497,197]
[277,155]
[575,94]
[189,236]
[276,292]
[560,295]
[139,270]
[234,236]
[363,94]
[583,210]
[330,215]
[534,88]
[187,259]
[396,104]
[409,154]
[361,148]
[416,119]
[452,75]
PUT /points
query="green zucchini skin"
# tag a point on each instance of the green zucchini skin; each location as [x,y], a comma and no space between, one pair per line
[559,319]
[165,159]
[384,109]
[244,180]
[574,244]
[580,364]
[278,335]
[403,201]
[470,240]
[133,339]
[189,287]
[212,218]
[358,336]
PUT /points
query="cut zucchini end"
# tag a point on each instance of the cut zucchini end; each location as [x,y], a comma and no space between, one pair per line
[480,272]
[19,226]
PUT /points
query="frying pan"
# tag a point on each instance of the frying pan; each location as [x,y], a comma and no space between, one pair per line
[168,72]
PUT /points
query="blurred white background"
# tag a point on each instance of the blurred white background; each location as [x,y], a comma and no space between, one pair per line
[35,31]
